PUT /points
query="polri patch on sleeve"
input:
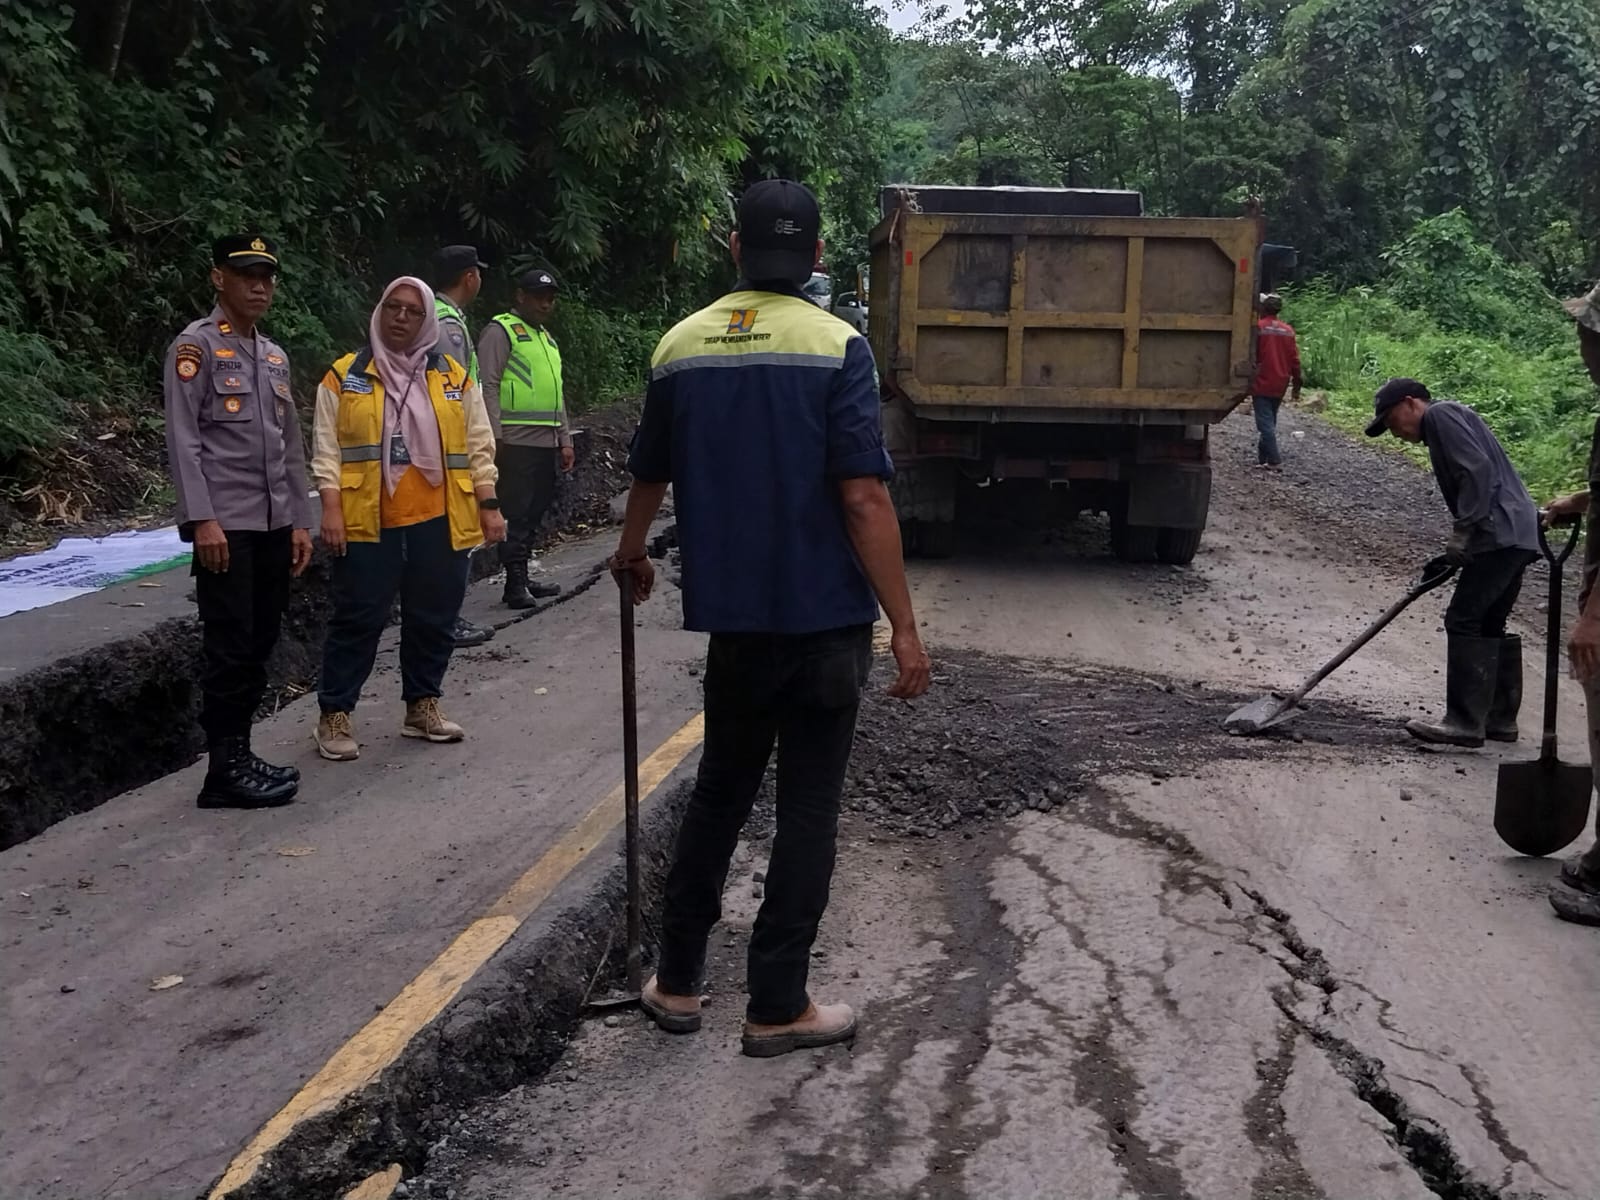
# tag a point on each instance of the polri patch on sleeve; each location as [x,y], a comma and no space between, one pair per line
[188,358]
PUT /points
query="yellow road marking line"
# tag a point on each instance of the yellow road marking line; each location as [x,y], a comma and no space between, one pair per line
[381,1041]
[377,1187]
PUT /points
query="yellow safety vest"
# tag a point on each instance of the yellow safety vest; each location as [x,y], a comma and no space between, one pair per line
[355,378]
[530,388]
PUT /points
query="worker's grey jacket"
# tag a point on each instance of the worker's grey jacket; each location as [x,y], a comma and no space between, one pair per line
[233,439]
[1485,495]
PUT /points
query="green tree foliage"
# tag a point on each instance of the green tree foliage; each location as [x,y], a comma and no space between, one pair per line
[600,137]
[1453,312]
[1350,118]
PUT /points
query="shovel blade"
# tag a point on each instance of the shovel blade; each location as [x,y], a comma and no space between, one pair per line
[1542,806]
[1258,716]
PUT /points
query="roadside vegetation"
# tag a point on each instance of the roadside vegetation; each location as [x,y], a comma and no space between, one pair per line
[1454,314]
[1437,171]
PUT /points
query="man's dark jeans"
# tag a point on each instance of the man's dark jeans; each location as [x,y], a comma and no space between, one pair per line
[420,563]
[801,692]
[1486,592]
[1266,409]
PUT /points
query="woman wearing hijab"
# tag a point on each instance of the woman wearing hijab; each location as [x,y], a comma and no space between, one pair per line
[405,464]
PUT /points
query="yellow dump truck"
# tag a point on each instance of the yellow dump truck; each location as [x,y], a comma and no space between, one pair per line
[1056,351]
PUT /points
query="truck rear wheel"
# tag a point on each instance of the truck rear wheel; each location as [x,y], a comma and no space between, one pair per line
[1133,543]
[936,539]
[1178,546]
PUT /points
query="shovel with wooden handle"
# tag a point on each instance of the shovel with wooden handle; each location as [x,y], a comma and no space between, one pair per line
[630,802]
[1262,714]
[1542,806]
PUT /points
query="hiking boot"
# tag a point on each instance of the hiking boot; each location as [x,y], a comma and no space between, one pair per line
[232,782]
[1581,908]
[467,634]
[516,594]
[1472,665]
[269,772]
[336,739]
[675,1014]
[1583,872]
[1501,724]
[424,719]
[819,1025]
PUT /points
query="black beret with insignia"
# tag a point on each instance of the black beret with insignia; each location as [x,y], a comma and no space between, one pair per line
[242,250]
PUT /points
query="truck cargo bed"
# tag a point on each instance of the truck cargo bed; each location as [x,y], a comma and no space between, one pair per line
[1049,318]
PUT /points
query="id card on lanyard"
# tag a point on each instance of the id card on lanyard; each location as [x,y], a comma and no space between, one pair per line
[399,456]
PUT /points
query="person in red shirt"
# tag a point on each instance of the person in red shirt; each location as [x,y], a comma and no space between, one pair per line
[1277,366]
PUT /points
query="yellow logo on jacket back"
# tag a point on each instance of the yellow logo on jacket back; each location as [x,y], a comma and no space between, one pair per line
[743,320]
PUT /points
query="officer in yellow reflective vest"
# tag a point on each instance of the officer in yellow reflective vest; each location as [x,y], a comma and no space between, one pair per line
[519,365]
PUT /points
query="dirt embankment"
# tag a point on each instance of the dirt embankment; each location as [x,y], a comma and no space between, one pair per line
[119,714]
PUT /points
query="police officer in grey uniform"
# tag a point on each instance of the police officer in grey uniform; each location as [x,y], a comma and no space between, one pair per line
[457,278]
[238,464]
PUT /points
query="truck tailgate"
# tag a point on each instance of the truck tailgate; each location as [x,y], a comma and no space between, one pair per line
[1034,318]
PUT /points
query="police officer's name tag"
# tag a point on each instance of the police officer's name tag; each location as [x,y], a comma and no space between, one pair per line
[399,456]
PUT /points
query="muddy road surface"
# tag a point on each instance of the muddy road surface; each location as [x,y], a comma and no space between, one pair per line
[1101,949]
[1098,948]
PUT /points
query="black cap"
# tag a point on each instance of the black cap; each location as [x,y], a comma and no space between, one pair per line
[779,224]
[452,262]
[241,250]
[538,280]
[1389,396]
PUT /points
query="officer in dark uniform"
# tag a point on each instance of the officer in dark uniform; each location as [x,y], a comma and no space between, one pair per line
[239,468]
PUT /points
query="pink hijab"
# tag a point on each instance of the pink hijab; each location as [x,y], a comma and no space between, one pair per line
[406,404]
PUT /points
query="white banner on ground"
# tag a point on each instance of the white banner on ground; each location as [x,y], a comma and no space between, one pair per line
[78,566]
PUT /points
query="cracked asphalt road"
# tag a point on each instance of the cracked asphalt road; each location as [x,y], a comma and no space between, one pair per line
[1102,950]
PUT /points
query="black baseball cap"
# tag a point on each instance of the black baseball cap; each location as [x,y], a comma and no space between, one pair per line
[538,280]
[452,262]
[1389,396]
[240,250]
[779,223]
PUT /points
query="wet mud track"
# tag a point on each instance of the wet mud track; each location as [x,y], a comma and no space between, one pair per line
[1033,958]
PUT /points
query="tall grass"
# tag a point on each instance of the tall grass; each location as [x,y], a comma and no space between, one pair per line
[1529,385]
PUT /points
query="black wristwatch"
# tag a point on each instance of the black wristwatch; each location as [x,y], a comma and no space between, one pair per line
[492,503]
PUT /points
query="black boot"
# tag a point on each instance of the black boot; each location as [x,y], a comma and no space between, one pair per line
[467,634]
[232,781]
[516,594]
[1471,667]
[1501,725]
[1577,896]
[269,772]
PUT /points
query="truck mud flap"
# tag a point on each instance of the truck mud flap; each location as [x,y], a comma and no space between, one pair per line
[1169,495]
